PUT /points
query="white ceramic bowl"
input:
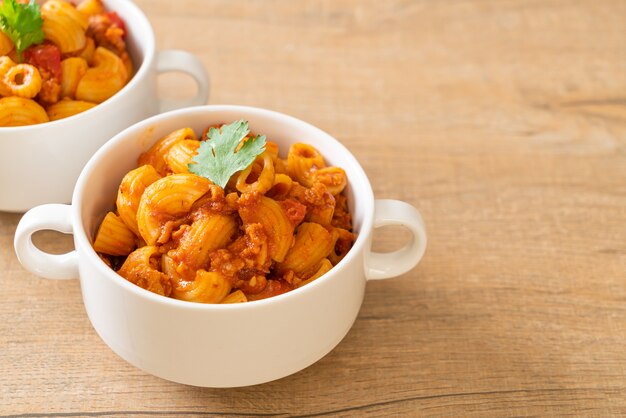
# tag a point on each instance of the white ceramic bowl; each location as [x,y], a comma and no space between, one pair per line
[218,345]
[40,163]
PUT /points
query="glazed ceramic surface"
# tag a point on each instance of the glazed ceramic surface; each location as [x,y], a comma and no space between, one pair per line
[40,163]
[218,345]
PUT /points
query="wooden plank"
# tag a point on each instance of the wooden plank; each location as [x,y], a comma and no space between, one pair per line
[503,122]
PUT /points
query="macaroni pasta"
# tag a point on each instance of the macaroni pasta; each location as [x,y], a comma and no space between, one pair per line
[265,233]
[82,62]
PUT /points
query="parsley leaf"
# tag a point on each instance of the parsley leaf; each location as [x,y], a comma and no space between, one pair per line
[221,155]
[22,23]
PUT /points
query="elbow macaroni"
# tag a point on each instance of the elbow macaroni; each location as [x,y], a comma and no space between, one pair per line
[104,79]
[312,244]
[207,287]
[63,31]
[265,233]
[82,62]
[130,191]
[6,45]
[67,10]
[155,156]
[73,70]
[180,154]
[23,80]
[67,108]
[165,200]
[258,177]
[17,111]
[142,268]
[114,237]
[6,64]
[269,214]
[90,7]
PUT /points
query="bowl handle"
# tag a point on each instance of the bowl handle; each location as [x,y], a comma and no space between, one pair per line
[388,265]
[51,266]
[176,60]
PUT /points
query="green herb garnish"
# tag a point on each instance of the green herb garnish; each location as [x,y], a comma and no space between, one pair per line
[223,154]
[22,23]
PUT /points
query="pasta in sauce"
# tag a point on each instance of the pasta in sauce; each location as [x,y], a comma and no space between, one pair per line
[82,62]
[277,225]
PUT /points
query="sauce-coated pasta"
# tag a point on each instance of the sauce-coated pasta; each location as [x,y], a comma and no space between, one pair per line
[81,62]
[277,225]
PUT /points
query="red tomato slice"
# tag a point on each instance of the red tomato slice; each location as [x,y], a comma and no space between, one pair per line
[45,57]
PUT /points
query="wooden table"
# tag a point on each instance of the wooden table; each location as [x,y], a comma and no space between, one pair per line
[503,122]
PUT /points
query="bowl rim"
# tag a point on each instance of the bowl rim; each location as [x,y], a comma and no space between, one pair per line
[145,42]
[82,240]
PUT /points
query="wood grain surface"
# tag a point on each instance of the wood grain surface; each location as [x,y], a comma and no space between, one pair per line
[504,122]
